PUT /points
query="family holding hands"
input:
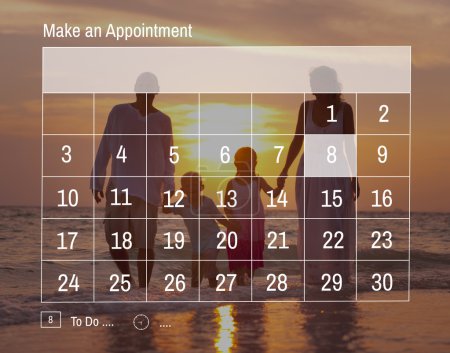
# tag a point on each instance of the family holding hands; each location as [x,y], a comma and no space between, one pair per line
[132,203]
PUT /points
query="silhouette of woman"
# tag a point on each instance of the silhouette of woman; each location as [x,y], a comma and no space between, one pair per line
[313,118]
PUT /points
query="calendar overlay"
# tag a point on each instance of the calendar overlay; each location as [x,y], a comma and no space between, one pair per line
[320,242]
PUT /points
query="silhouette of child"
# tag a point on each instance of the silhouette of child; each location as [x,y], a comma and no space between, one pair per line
[243,202]
[203,230]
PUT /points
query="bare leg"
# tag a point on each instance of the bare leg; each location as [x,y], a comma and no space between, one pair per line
[120,257]
[195,282]
[209,268]
[145,268]
[240,278]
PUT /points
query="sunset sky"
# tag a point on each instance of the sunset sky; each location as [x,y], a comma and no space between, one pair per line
[421,24]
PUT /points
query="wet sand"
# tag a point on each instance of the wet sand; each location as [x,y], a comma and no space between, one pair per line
[418,326]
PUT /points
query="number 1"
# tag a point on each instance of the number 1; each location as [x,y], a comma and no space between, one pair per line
[332,119]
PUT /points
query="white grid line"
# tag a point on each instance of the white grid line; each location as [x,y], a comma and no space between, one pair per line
[251,197]
[304,197]
[217,176]
[240,46]
[208,134]
[226,260]
[230,301]
[266,218]
[199,199]
[409,188]
[146,202]
[93,199]
[225,92]
[356,199]
[42,170]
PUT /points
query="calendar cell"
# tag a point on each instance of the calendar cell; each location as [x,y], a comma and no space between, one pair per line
[225,196]
[386,197]
[173,240]
[329,198]
[329,280]
[383,239]
[383,280]
[279,281]
[67,198]
[217,153]
[67,114]
[330,155]
[228,287]
[109,105]
[275,113]
[67,155]
[67,239]
[112,285]
[121,199]
[330,239]
[171,281]
[126,155]
[383,155]
[225,114]
[120,234]
[383,113]
[278,204]
[67,281]
[183,154]
[183,110]
[281,237]
[272,151]
[334,113]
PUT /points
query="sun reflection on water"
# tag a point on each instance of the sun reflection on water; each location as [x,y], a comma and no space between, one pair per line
[225,338]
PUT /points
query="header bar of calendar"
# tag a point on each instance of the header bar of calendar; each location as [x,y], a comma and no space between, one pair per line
[275,69]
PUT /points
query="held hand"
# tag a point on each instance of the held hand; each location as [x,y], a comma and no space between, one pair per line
[282,179]
[98,195]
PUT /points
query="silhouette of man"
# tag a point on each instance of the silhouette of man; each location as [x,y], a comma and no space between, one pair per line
[137,138]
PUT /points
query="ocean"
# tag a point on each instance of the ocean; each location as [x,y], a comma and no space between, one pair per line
[218,325]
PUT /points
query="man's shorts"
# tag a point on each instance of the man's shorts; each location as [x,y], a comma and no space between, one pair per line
[131,219]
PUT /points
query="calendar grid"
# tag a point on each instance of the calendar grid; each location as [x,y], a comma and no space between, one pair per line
[357,218]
